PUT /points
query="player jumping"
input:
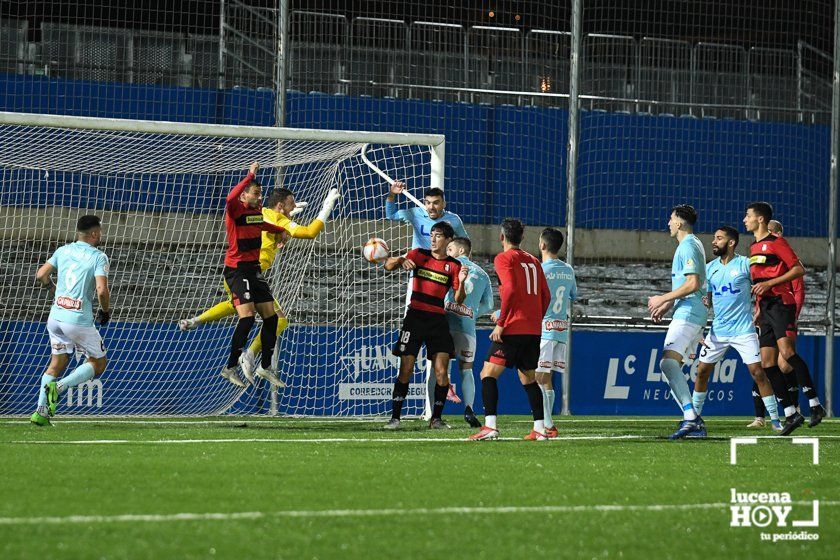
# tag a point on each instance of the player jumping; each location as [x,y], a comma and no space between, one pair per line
[516,339]
[688,284]
[728,278]
[82,272]
[245,223]
[433,274]
[555,330]
[279,209]
[462,318]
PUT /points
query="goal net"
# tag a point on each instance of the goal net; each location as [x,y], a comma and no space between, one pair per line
[160,189]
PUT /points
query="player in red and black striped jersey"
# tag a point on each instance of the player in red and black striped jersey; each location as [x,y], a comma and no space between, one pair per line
[251,294]
[525,297]
[773,265]
[434,273]
[798,285]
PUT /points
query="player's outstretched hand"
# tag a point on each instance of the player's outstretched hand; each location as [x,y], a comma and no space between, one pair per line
[495,316]
[255,166]
[102,317]
[397,187]
[409,264]
[299,207]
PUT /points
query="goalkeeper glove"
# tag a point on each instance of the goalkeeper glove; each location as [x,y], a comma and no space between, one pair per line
[299,207]
[330,200]
[102,317]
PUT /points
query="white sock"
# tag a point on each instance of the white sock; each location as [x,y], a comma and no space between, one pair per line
[539,426]
[814,402]
[548,406]
[790,411]
[697,400]
[672,370]
[770,405]
[490,421]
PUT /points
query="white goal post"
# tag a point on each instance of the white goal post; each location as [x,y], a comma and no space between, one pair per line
[159,188]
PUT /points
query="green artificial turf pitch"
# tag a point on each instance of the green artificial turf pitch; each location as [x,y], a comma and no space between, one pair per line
[304,488]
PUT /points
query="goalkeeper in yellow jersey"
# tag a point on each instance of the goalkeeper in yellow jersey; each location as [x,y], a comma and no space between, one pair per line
[279,209]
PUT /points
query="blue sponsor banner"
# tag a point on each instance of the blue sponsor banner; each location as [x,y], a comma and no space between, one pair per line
[155,369]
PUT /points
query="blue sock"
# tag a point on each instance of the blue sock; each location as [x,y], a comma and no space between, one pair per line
[697,399]
[548,406]
[673,372]
[81,374]
[42,395]
[770,405]
[468,387]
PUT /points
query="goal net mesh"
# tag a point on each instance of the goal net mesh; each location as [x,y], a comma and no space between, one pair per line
[161,200]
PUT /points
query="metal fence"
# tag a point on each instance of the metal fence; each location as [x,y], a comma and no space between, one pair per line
[333,54]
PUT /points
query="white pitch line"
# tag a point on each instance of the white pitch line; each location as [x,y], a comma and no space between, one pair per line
[280,420]
[385,512]
[298,440]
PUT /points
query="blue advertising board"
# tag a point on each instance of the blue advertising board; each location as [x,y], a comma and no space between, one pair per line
[155,369]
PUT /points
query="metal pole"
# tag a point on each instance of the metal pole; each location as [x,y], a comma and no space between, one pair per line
[221,44]
[282,77]
[799,80]
[831,271]
[571,175]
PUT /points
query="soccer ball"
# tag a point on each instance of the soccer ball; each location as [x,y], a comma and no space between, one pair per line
[375,250]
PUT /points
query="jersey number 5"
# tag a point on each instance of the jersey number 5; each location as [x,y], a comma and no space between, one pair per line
[530,277]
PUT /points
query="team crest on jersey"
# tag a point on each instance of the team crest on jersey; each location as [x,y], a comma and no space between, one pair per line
[446,267]
[733,273]
[764,247]
[689,262]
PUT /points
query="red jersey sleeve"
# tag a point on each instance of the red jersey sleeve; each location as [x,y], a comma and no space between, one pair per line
[234,205]
[799,294]
[456,283]
[785,253]
[506,290]
[412,254]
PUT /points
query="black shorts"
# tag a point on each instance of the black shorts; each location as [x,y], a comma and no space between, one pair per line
[247,284]
[520,351]
[423,327]
[776,320]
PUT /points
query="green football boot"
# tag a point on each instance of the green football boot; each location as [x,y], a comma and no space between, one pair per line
[52,396]
[39,420]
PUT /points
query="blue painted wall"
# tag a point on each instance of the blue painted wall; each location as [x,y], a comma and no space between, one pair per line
[505,160]
[624,380]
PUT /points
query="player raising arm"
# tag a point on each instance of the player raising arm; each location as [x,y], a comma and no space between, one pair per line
[244,223]
[462,318]
[516,339]
[433,274]
[82,272]
[279,209]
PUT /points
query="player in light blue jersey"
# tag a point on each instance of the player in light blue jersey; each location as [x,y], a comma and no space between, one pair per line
[729,291]
[82,272]
[462,318]
[421,222]
[555,332]
[688,285]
